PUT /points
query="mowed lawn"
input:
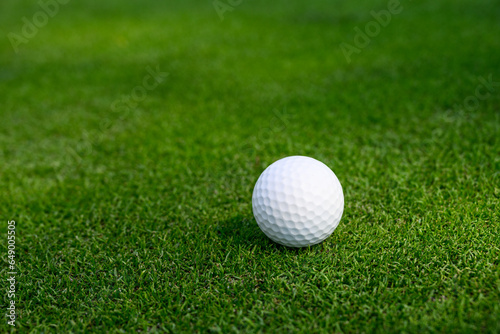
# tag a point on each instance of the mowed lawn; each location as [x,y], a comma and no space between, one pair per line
[132,134]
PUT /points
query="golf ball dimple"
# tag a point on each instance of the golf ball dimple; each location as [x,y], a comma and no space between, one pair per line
[298,201]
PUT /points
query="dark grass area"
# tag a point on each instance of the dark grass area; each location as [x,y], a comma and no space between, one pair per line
[138,219]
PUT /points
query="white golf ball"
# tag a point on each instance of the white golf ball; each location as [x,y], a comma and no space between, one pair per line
[298,201]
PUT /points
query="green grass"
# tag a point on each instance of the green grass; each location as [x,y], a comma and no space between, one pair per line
[141,221]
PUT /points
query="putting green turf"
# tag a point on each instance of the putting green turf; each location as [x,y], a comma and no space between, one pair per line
[138,219]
